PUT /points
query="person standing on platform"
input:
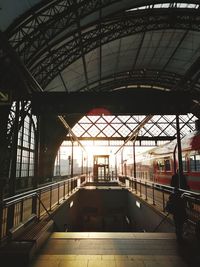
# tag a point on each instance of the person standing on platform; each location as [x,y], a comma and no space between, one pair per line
[178,210]
[176,183]
[175,180]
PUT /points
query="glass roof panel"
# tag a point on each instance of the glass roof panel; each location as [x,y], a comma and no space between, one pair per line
[123,126]
[109,118]
[131,126]
[101,135]
[101,120]
[167,5]
[101,126]
[109,131]
[116,126]
[124,131]
[116,120]
[93,118]
[78,130]
[94,131]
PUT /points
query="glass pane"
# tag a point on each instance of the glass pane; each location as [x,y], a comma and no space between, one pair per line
[192,163]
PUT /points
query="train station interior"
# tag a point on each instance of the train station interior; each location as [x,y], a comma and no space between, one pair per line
[99,125]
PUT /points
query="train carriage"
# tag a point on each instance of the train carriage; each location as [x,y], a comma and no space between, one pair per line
[159,164]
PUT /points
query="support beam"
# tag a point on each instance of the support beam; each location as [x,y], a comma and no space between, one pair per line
[127,101]
[135,132]
[140,138]
[65,124]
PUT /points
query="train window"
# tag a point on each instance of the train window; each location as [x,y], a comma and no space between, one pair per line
[184,162]
[195,163]
[167,165]
[160,165]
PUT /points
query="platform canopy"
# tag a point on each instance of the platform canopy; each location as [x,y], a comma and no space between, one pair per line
[101,45]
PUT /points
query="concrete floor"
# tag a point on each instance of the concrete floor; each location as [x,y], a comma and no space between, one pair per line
[114,250]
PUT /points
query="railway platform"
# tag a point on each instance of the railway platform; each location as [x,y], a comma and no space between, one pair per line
[116,250]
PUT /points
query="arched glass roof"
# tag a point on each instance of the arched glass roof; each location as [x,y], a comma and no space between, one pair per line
[105,45]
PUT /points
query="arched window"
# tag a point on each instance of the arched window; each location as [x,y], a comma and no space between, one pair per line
[25,143]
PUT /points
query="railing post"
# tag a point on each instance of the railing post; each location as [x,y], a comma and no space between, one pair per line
[146,190]
[163,198]
[64,191]
[50,198]
[58,194]
[153,194]
[140,188]
[34,204]
[136,186]
[68,187]
[21,210]
[10,218]
[39,206]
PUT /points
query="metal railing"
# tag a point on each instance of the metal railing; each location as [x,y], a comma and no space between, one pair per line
[158,194]
[17,210]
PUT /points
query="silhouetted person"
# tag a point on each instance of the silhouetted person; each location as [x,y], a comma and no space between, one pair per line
[183,181]
[175,180]
[178,211]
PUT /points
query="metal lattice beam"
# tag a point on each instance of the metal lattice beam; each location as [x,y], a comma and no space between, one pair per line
[47,68]
[157,128]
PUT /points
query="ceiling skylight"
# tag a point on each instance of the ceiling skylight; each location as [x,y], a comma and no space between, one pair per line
[167,5]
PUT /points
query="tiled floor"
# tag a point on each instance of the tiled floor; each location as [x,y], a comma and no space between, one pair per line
[112,250]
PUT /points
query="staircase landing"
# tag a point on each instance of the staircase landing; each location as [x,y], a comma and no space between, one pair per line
[115,250]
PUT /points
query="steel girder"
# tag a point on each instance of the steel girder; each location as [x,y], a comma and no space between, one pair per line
[139,138]
[31,39]
[47,66]
[58,12]
[116,102]
[49,22]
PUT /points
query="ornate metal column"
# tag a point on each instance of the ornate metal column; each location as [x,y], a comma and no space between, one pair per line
[12,174]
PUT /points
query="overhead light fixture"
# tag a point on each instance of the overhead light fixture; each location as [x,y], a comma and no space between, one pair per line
[71,204]
[138,204]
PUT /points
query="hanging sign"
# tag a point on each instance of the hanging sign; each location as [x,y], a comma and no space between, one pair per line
[5,98]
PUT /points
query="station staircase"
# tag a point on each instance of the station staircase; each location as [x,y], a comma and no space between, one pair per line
[41,246]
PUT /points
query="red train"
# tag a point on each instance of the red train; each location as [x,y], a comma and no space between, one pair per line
[159,164]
